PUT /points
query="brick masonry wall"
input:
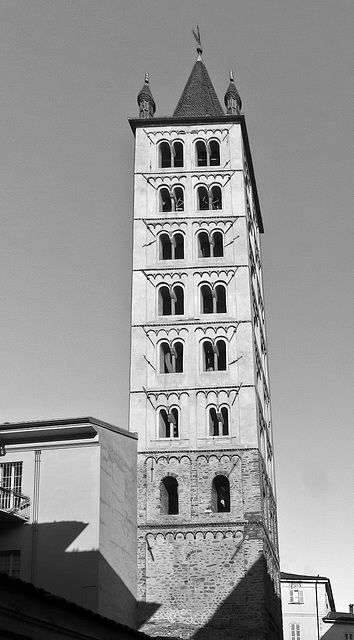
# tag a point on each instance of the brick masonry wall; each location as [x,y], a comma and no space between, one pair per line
[205,574]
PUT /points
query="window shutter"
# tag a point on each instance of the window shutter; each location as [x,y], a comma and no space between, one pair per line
[301,596]
[291,600]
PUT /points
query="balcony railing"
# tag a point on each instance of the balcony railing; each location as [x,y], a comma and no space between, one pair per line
[13,503]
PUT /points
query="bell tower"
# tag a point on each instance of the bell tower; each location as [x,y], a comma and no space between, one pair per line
[208,560]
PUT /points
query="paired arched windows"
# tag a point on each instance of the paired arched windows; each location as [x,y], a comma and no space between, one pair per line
[218,421]
[207,154]
[170,155]
[168,423]
[213,299]
[209,198]
[214,355]
[171,357]
[169,496]
[171,199]
[220,494]
[171,300]
[210,245]
[171,247]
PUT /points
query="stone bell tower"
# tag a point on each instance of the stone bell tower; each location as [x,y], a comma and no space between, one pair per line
[208,550]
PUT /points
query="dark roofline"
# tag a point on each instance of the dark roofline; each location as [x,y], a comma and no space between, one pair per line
[66,422]
[299,577]
[341,617]
[136,123]
[19,585]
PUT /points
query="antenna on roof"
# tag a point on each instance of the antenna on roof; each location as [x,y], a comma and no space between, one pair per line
[198,40]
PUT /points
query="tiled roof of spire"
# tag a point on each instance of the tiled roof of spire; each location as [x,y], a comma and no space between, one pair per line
[198,97]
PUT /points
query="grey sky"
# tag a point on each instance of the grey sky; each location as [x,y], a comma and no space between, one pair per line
[70,74]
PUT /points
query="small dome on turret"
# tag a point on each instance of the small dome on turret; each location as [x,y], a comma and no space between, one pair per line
[232,98]
[146,101]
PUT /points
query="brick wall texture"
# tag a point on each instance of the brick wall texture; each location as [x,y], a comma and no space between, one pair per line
[203,574]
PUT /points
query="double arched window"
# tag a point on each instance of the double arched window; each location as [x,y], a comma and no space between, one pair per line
[220,494]
[214,355]
[169,496]
[210,245]
[218,421]
[171,247]
[213,298]
[171,357]
[171,199]
[170,154]
[207,154]
[209,198]
[168,423]
[171,300]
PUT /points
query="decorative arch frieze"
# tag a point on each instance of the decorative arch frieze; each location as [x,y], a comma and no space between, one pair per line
[195,535]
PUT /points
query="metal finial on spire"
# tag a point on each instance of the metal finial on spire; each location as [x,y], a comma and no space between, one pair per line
[231,75]
[146,77]
[198,40]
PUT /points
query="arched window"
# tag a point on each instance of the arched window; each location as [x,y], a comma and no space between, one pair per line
[215,194]
[201,154]
[171,248]
[170,155]
[208,199]
[203,198]
[171,300]
[214,153]
[218,421]
[171,199]
[168,423]
[169,496]
[214,355]
[210,245]
[213,298]
[164,155]
[207,154]
[220,494]
[171,357]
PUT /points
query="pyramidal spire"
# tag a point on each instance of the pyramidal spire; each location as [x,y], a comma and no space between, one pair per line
[198,97]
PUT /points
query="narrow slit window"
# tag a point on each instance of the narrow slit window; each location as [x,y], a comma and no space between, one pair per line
[215,194]
[201,154]
[203,245]
[220,494]
[220,298]
[203,198]
[178,198]
[169,496]
[177,151]
[214,153]
[165,247]
[218,421]
[165,200]
[164,155]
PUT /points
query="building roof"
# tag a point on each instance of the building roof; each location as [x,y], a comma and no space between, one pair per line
[63,428]
[299,577]
[41,595]
[339,616]
[198,97]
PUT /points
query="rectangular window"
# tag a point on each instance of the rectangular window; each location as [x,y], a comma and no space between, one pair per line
[10,485]
[10,563]
[348,636]
[296,596]
[295,632]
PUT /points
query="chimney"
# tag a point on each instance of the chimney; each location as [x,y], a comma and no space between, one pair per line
[351,607]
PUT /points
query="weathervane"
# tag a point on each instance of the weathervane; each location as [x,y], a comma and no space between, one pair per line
[198,40]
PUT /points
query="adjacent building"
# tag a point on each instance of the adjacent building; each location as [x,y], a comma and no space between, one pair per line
[208,564]
[68,511]
[306,600]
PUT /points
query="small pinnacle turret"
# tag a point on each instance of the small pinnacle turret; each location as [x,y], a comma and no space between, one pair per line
[232,98]
[146,101]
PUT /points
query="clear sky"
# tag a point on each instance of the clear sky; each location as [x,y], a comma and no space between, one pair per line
[70,74]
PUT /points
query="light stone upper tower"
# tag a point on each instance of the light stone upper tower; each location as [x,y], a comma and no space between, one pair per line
[208,553]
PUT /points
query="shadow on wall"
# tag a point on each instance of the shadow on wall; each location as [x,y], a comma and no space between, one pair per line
[83,577]
[252,611]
